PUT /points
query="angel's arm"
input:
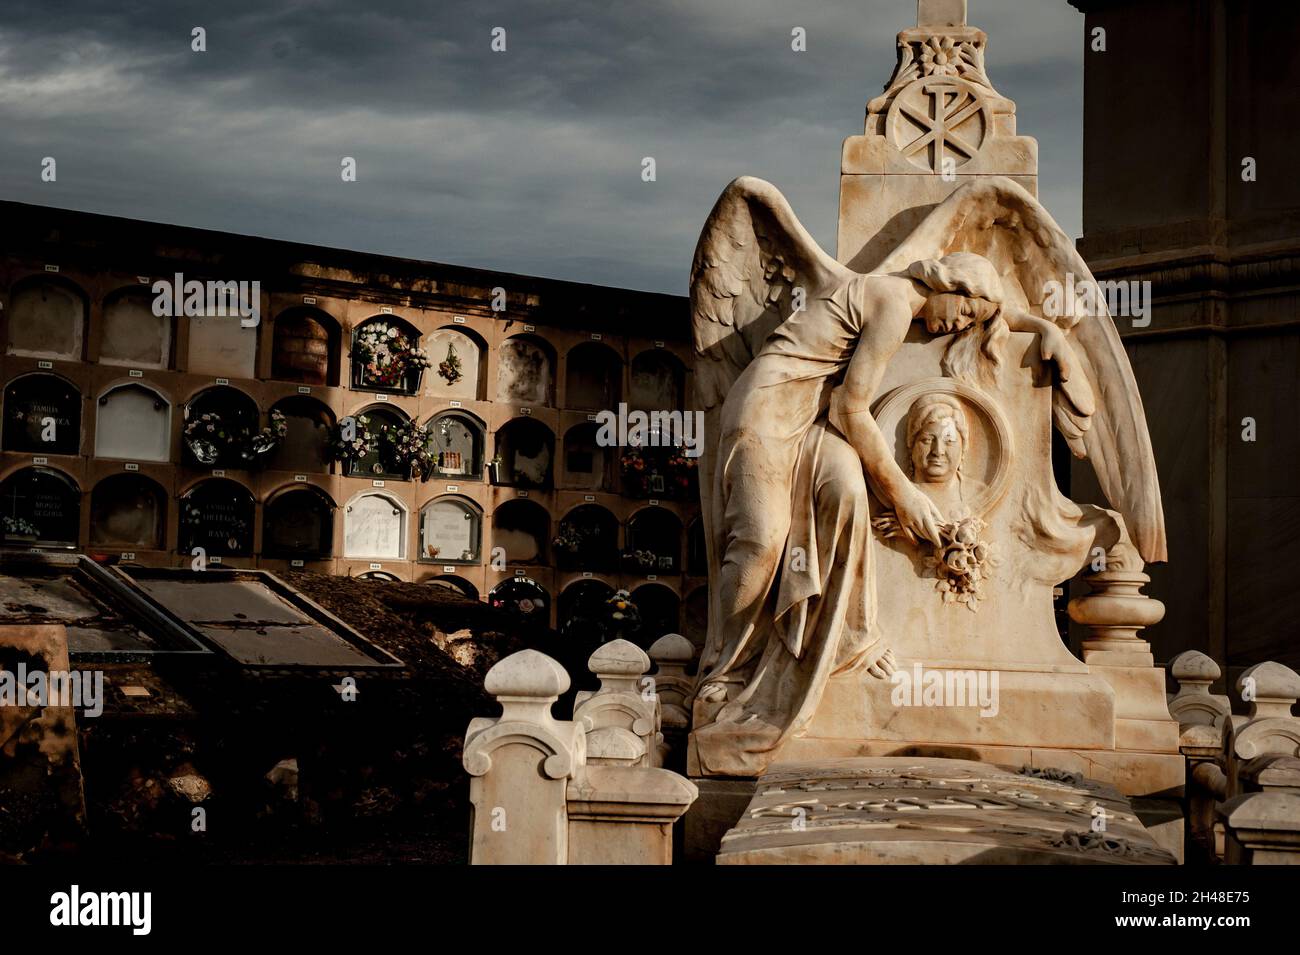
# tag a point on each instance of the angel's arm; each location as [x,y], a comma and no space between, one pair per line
[850,411]
[1052,341]
[1054,346]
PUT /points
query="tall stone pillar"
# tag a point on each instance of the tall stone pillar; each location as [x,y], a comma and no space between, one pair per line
[939,123]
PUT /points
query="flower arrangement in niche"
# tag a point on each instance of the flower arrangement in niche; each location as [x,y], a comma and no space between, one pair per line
[410,446]
[211,440]
[622,618]
[642,476]
[17,527]
[962,563]
[568,541]
[646,560]
[449,368]
[361,444]
[386,355]
[683,474]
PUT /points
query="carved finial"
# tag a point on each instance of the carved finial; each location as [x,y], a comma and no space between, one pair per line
[1194,668]
[672,648]
[940,13]
[526,684]
[1193,704]
[527,673]
[1270,688]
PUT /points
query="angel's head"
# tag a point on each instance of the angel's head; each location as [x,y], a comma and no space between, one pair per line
[965,290]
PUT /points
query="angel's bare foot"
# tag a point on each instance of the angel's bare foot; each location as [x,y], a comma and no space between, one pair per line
[884,666]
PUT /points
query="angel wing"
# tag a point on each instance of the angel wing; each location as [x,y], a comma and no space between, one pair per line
[999,220]
[751,255]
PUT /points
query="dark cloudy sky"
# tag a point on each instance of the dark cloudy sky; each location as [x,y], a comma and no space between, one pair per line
[526,161]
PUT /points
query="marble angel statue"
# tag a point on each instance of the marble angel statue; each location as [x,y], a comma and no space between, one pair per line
[791,349]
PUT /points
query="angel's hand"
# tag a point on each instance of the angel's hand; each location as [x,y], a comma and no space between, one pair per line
[918,517]
[1053,346]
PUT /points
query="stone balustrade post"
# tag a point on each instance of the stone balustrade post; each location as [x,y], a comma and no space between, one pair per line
[520,764]
[672,654]
[621,718]
[1200,715]
[1253,743]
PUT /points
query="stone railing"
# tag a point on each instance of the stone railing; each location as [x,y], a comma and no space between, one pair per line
[586,791]
[1243,772]
[672,655]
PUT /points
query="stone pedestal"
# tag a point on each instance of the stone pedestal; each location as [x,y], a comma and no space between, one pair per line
[623,815]
[1262,828]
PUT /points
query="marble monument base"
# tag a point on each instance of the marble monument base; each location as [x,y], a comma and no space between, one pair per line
[911,811]
[1074,718]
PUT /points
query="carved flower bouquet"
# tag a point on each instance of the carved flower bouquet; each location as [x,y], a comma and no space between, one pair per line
[962,563]
[386,356]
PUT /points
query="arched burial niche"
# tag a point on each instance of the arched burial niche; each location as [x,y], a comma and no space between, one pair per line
[521,529]
[657,382]
[582,612]
[451,531]
[654,542]
[526,371]
[523,597]
[593,376]
[305,347]
[658,607]
[585,463]
[42,415]
[386,356]
[457,358]
[41,507]
[221,345]
[382,460]
[298,523]
[46,319]
[128,511]
[133,423]
[381,575]
[374,526]
[587,540]
[220,423]
[132,334]
[218,516]
[457,585]
[524,451]
[309,426]
[457,438]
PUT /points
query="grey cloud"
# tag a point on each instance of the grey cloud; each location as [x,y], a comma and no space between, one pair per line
[527,161]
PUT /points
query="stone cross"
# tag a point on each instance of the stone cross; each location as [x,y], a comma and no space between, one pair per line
[940,13]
